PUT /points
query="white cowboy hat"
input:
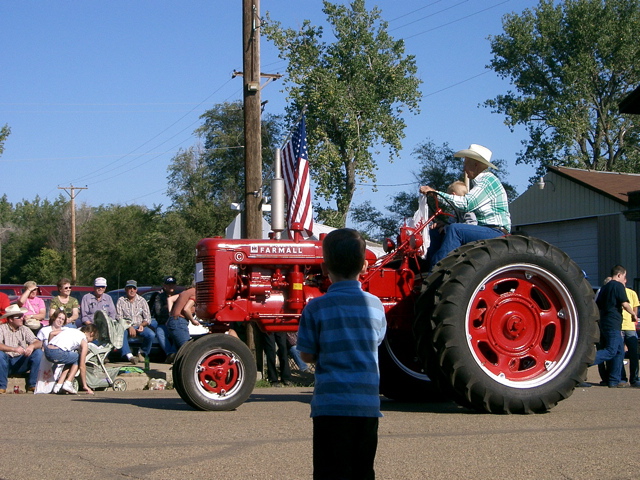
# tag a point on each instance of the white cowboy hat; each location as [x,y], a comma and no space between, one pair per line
[477,152]
[12,310]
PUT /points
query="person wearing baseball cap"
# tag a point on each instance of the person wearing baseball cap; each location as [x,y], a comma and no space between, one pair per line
[36,310]
[97,300]
[487,199]
[134,308]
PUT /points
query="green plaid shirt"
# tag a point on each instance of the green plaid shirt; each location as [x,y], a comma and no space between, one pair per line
[487,199]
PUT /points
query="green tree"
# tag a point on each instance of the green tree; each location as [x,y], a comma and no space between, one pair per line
[356,89]
[33,226]
[117,243]
[203,182]
[4,133]
[48,267]
[570,63]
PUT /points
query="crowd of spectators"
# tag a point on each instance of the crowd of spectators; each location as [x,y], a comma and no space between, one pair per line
[27,328]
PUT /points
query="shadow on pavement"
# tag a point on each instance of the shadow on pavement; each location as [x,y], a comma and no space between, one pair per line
[280,397]
[155,403]
[446,407]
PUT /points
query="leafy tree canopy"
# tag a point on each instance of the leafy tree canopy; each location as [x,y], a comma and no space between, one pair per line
[357,90]
[4,133]
[570,64]
[204,181]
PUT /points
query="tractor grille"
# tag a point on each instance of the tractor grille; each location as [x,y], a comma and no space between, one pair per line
[205,290]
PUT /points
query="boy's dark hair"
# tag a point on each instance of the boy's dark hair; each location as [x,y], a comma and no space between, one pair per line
[91,328]
[618,270]
[344,252]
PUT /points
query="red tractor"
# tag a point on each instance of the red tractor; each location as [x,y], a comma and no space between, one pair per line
[506,325]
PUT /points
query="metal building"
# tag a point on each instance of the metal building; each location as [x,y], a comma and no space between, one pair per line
[583,212]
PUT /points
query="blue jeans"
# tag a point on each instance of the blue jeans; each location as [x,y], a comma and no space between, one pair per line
[147,335]
[178,329]
[57,355]
[19,365]
[162,334]
[295,353]
[458,234]
[630,339]
[612,351]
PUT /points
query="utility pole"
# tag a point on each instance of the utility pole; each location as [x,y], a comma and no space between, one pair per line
[252,219]
[72,194]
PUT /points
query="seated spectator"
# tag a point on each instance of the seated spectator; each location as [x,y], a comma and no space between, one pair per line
[57,321]
[34,305]
[92,302]
[133,308]
[69,347]
[64,301]
[20,350]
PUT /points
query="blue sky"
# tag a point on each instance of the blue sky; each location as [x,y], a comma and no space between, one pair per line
[104,94]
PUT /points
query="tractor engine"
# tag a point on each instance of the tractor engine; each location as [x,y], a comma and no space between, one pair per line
[269,282]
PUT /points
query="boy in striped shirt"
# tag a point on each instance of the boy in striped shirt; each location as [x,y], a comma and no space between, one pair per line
[341,332]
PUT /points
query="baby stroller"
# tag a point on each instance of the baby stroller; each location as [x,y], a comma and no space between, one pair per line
[111,336]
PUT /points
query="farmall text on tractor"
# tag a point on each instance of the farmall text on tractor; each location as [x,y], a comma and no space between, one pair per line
[506,325]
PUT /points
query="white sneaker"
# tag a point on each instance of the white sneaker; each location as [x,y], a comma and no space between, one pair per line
[57,387]
[68,387]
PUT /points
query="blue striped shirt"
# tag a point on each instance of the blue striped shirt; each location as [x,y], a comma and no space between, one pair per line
[343,329]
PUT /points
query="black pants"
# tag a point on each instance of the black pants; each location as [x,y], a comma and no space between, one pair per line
[269,342]
[344,448]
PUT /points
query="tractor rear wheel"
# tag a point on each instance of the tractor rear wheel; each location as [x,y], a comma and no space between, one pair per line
[216,372]
[514,326]
[423,325]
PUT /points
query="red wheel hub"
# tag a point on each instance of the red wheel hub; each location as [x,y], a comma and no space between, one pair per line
[218,373]
[516,325]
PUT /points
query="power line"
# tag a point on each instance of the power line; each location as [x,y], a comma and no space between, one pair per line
[430,15]
[129,167]
[456,84]
[414,11]
[91,174]
[457,20]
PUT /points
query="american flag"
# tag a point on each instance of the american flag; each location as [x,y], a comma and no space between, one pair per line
[295,168]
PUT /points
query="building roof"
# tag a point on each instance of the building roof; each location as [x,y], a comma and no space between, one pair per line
[631,103]
[611,184]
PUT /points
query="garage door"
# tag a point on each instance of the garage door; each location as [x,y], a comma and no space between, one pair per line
[577,238]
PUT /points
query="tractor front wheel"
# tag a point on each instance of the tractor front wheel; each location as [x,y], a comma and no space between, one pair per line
[216,372]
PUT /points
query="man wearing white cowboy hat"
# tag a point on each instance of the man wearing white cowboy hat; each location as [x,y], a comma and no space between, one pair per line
[487,200]
[20,350]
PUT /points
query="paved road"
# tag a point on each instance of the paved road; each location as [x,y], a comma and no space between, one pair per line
[154,435]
